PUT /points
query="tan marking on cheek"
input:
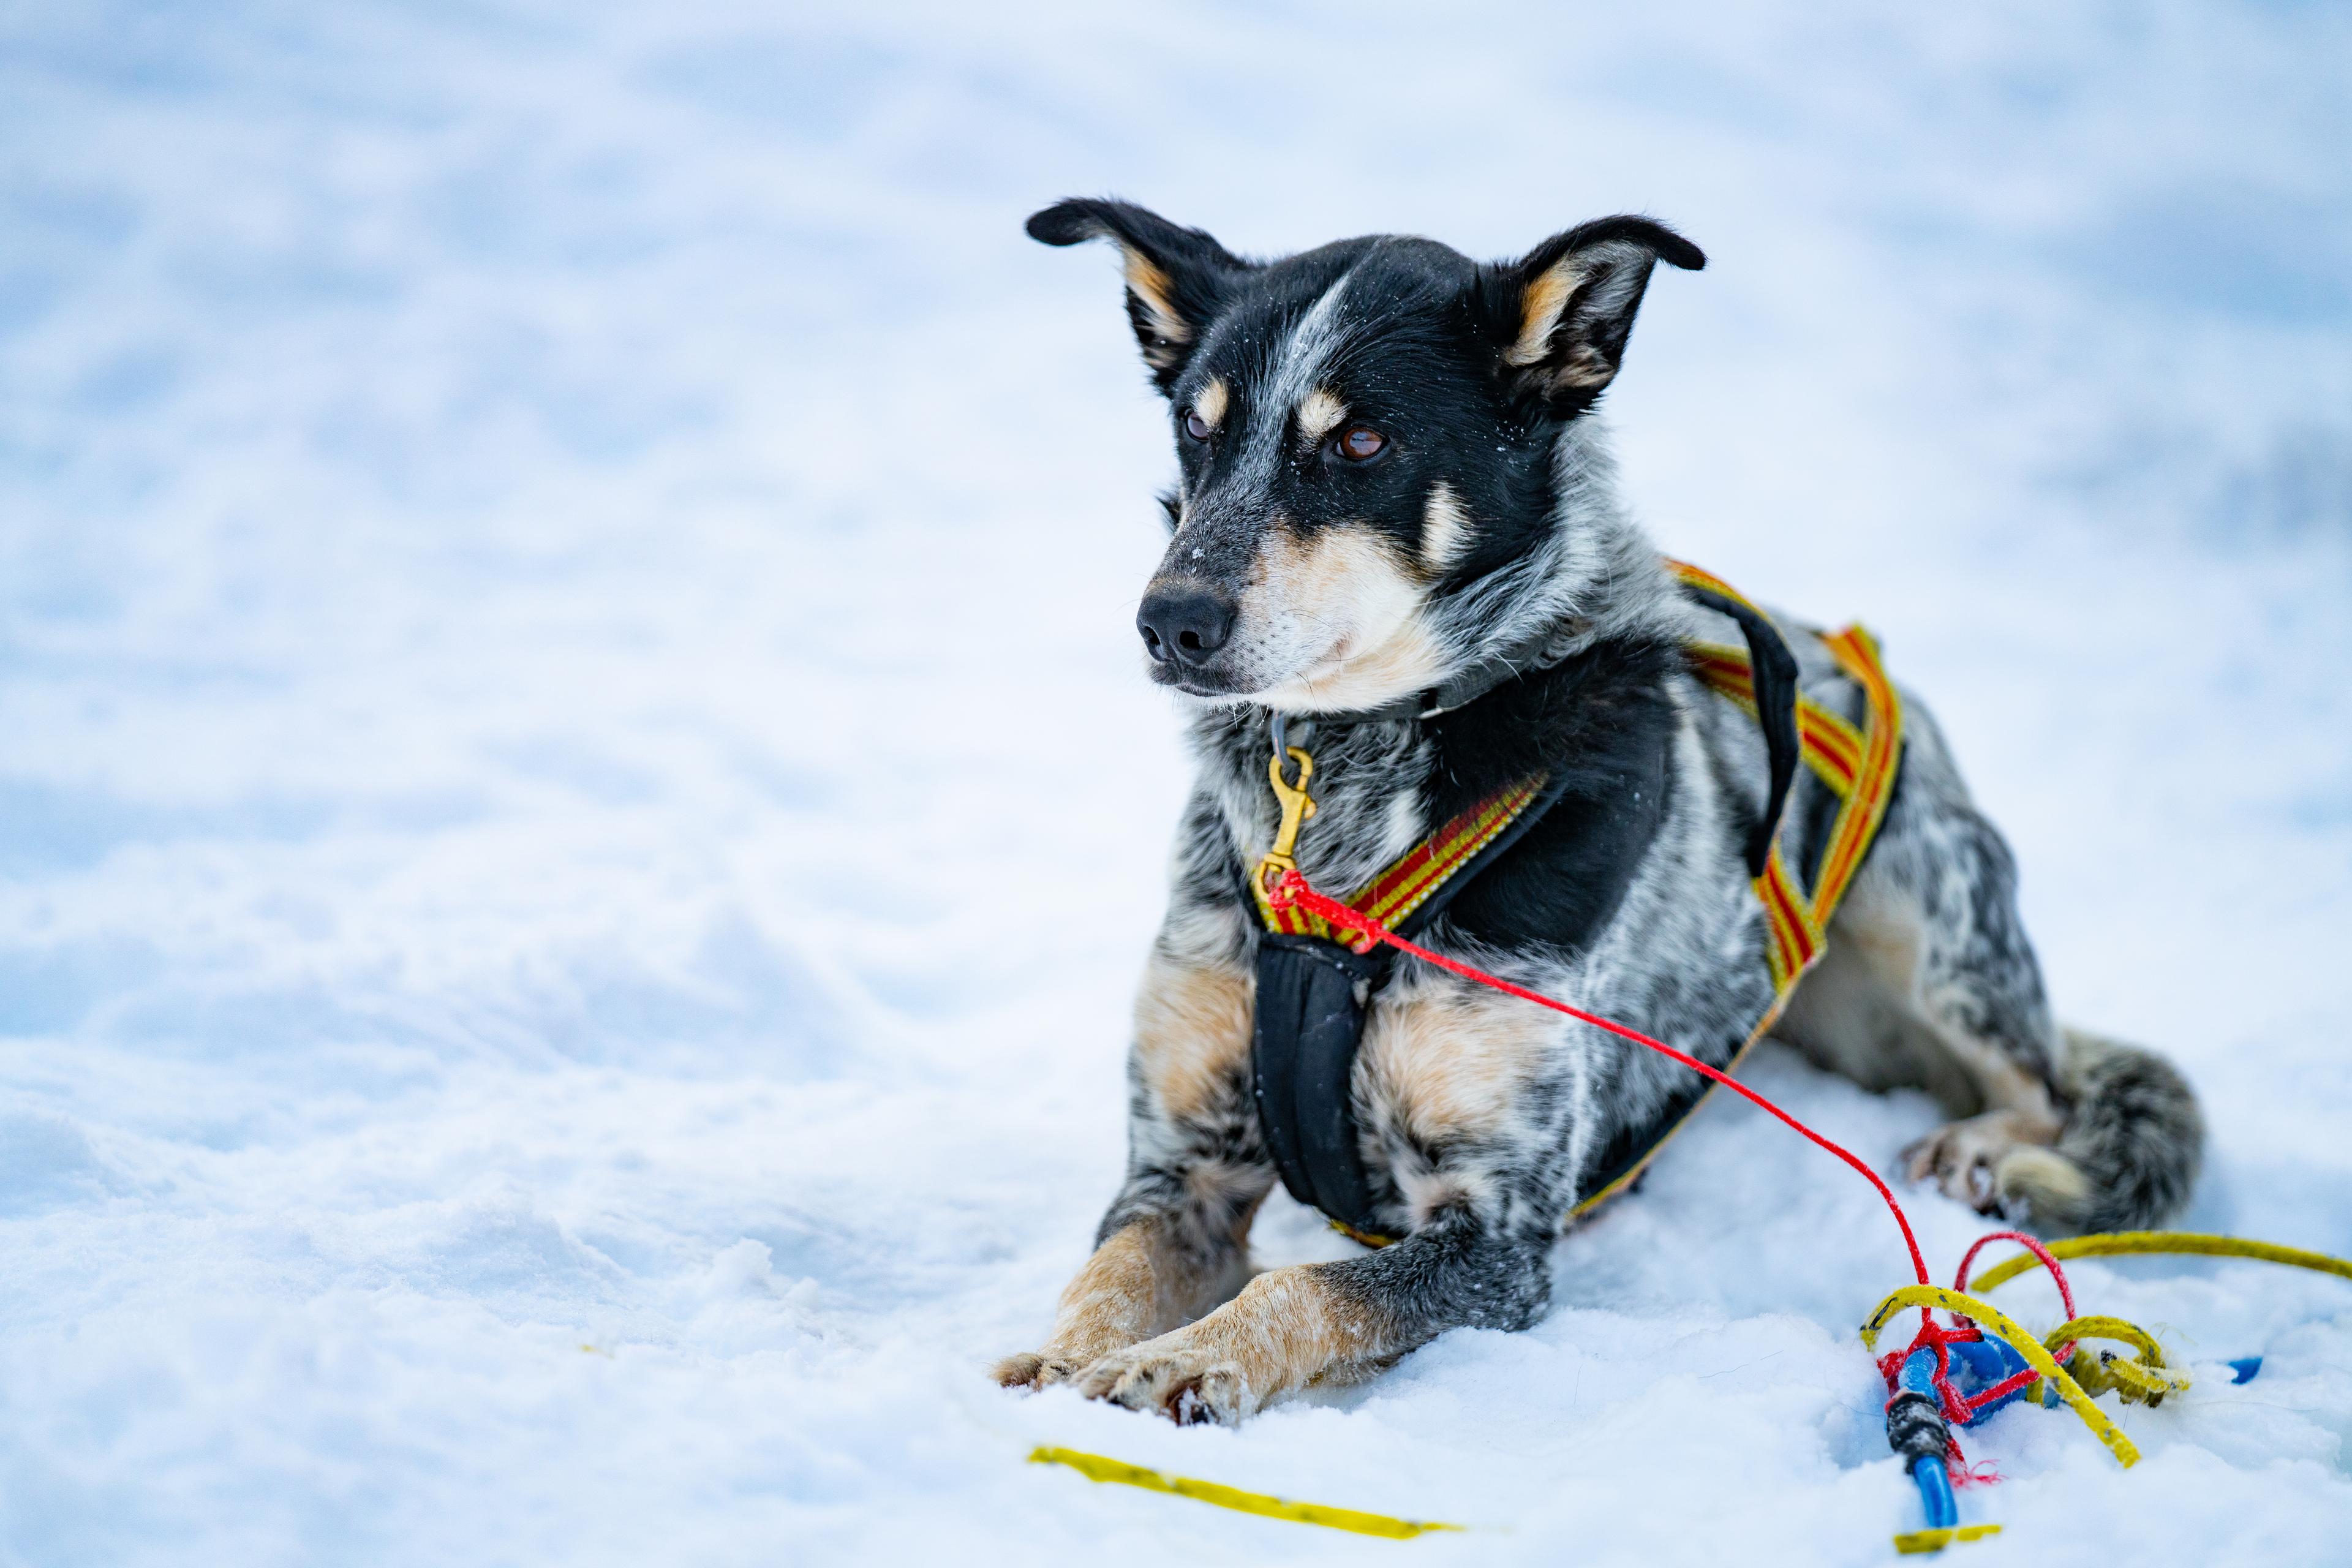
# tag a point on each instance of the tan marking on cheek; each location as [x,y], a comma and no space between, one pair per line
[1191,1033]
[1445,529]
[1407,659]
[1210,404]
[1348,581]
[1539,313]
[1319,414]
[1150,285]
[1345,576]
[1450,1064]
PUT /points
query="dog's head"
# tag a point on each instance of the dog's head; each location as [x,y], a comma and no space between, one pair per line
[1367,433]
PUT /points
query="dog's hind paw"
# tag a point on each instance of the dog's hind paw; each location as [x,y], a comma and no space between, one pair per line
[1969,1160]
[1185,1382]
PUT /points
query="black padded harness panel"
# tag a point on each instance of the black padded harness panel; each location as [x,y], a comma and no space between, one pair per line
[1312,995]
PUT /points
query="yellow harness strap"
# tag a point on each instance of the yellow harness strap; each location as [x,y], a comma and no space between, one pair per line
[1858,766]
[1392,897]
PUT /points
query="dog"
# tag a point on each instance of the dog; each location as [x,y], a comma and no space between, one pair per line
[1397,529]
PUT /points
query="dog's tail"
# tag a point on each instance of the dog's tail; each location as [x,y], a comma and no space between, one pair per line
[2130,1150]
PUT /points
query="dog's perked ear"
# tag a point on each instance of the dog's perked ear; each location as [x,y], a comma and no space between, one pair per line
[1560,315]
[1175,277]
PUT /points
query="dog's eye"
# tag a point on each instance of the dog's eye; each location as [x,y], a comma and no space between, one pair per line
[1359,443]
[1195,427]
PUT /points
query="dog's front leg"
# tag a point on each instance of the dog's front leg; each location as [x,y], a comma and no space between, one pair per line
[1159,1269]
[1293,1326]
[1175,1241]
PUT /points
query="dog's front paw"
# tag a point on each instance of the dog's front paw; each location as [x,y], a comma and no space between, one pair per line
[1184,1382]
[1032,1370]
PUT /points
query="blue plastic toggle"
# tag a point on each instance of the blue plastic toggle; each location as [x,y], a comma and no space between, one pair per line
[1975,1364]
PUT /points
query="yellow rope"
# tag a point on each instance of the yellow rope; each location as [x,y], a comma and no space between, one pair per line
[1993,1319]
[2121,1243]
[2145,1378]
[2096,1328]
[1098,1468]
[1912,1543]
[2140,1382]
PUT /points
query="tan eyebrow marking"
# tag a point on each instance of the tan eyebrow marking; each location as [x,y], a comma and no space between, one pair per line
[1318,413]
[1210,404]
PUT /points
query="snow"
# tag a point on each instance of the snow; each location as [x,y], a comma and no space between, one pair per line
[579,813]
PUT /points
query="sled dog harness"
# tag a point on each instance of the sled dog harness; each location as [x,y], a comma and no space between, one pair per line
[1315,979]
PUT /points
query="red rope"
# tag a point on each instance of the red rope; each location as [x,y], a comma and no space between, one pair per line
[1292,889]
[2066,1292]
[2065,1300]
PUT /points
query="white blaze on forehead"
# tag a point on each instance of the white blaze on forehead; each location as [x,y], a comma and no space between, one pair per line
[1298,366]
[1445,528]
[1319,414]
[1295,371]
[1209,403]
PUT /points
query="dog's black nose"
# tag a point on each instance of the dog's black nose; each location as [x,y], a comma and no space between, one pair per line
[1188,625]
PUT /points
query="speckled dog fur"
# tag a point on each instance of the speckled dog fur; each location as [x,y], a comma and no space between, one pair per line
[1393,469]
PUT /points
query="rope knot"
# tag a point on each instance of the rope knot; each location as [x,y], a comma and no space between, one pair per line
[1350,927]
[1283,891]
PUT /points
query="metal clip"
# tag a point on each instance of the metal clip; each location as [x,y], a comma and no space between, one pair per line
[1298,806]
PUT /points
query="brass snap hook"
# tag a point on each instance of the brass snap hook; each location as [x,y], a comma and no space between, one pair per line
[1298,806]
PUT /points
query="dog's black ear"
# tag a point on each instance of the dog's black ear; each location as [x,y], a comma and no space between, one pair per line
[1175,277]
[1560,315]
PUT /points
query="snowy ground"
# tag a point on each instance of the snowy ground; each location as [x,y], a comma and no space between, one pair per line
[577,813]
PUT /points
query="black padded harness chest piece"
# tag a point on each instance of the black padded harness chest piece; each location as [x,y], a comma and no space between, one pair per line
[1313,992]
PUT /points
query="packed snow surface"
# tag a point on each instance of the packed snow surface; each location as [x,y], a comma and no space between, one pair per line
[577,811]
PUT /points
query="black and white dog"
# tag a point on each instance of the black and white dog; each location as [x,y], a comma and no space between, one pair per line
[1392,474]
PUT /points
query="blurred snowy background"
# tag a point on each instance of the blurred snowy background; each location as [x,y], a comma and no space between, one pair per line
[577,811]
